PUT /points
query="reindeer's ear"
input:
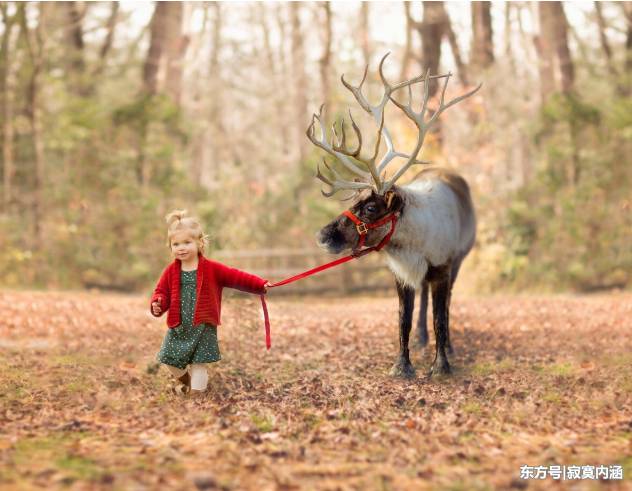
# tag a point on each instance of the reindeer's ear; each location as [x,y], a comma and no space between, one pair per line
[394,201]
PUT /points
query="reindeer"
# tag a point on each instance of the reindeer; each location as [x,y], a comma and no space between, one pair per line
[433,217]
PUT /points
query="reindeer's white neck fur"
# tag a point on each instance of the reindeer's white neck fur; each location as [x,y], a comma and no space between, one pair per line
[432,229]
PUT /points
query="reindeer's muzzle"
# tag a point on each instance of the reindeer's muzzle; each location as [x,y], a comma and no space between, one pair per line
[332,239]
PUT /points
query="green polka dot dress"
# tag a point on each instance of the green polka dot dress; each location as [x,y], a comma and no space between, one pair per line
[187,344]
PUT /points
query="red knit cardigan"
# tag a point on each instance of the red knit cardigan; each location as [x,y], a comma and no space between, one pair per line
[212,277]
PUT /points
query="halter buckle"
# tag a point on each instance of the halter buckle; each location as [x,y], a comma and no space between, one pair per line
[362,228]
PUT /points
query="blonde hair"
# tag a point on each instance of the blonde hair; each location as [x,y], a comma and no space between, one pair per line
[179,221]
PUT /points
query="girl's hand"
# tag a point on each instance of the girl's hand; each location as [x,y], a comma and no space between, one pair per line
[155,308]
[265,287]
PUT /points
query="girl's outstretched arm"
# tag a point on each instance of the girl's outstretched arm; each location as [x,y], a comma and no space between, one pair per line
[240,280]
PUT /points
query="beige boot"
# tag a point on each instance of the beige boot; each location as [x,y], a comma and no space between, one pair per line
[182,385]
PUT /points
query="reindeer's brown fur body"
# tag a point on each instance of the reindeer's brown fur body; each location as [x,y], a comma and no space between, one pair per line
[435,231]
[455,182]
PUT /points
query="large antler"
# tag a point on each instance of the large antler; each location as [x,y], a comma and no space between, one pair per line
[340,150]
[419,118]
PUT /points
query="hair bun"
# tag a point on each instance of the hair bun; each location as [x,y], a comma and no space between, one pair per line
[179,221]
[175,215]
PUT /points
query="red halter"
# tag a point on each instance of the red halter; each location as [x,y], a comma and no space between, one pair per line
[363,229]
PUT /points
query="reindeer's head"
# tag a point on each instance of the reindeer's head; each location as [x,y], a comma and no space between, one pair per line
[378,197]
[343,233]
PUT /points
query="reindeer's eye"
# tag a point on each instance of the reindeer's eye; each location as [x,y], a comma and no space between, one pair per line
[370,208]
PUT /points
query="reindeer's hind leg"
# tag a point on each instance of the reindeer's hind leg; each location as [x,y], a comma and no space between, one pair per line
[440,284]
[453,274]
[422,322]
[449,348]
[403,367]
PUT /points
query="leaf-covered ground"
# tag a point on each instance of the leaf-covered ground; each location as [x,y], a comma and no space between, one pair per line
[537,381]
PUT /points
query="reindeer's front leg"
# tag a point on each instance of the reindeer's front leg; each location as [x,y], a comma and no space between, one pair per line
[403,367]
[440,285]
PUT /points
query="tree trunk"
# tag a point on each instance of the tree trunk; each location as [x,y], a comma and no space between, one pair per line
[546,51]
[627,11]
[627,8]
[456,51]
[365,36]
[215,108]
[214,68]
[364,29]
[176,50]
[509,56]
[325,59]
[557,72]
[567,73]
[482,36]
[7,87]
[300,81]
[153,73]
[603,38]
[157,43]
[408,48]
[72,19]
[73,33]
[162,70]
[284,77]
[566,67]
[556,66]
[436,24]
[529,42]
[107,42]
[218,131]
[267,45]
[431,30]
[199,141]
[272,70]
[34,41]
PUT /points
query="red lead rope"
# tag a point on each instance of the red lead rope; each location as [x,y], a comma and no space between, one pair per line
[363,229]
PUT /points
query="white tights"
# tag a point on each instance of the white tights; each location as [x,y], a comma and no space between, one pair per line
[199,375]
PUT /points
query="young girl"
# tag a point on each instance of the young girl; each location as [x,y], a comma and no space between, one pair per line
[190,289]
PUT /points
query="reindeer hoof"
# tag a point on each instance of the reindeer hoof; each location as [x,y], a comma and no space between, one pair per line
[402,369]
[439,368]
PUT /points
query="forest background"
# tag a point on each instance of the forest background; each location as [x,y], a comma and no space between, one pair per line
[114,113]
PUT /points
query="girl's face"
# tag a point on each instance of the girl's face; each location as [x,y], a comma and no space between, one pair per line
[184,246]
